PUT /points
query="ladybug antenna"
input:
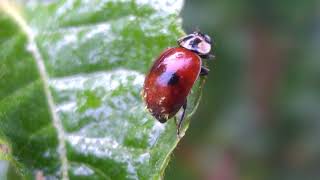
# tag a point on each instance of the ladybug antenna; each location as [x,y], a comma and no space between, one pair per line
[196,29]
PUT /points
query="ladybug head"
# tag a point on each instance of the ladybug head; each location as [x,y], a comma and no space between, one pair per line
[197,42]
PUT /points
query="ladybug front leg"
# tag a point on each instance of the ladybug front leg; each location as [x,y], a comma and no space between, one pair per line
[204,71]
[208,56]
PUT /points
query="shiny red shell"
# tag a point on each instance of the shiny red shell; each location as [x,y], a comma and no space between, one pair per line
[169,82]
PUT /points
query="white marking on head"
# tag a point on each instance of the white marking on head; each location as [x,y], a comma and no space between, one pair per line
[198,42]
[204,47]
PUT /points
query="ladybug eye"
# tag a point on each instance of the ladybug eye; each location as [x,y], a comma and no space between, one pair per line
[207,38]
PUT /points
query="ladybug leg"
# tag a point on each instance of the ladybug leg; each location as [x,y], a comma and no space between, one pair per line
[184,107]
[176,121]
[208,56]
[204,71]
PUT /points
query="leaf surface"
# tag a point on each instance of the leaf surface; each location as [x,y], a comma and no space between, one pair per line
[71,75]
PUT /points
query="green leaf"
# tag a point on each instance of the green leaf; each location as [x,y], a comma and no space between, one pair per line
[71,75]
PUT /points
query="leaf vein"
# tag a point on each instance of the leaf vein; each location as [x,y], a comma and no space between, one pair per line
[12,10]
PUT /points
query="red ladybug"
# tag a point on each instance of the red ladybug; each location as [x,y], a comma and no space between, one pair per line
[173,74]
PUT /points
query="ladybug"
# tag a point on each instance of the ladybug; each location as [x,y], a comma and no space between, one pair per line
[173,74]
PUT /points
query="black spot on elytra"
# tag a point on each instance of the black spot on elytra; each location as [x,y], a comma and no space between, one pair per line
[174,79]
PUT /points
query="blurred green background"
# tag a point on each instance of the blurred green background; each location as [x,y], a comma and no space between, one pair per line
[260,113]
